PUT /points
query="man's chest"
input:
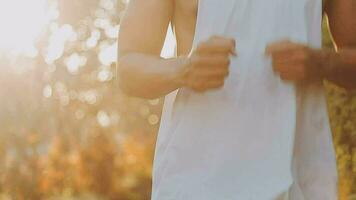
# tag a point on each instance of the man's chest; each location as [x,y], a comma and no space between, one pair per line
[190,7]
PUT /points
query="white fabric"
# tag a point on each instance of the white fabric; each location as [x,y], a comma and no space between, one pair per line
[258,138]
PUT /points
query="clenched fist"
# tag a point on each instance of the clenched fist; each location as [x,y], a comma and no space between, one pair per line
[296,62]
[208,66]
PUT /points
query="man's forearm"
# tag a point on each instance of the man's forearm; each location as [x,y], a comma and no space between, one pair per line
[338,67]
[149,76]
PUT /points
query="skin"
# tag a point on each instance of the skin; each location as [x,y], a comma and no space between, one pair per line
[297,62]
[143,73]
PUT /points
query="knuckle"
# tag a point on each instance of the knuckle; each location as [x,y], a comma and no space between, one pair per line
[226,61]
[217,74]
[219,84]
[220,79]
[233,43]
[222,73]
[226,71]
[223,60]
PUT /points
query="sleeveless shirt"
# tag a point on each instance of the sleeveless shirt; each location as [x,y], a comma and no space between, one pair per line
[257,138]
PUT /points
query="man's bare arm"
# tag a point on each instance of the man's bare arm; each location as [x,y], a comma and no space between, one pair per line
[297,62]
[143,73]
[143,29]
[342,21]
[341,66]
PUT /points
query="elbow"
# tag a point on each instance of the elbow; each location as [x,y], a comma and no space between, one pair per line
[123,75]
[129,80]
[129,88]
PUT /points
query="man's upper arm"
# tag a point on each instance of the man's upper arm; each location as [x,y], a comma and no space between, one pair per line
[342,21]
[144,26]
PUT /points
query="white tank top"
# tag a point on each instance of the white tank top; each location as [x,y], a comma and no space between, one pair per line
[258,138]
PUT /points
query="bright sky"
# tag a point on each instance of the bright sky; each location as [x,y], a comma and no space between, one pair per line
[21,22]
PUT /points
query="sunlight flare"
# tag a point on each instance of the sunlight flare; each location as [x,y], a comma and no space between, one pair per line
[21,22]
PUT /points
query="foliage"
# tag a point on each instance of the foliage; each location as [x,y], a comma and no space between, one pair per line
[67,132]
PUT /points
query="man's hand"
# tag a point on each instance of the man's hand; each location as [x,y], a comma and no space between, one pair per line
[296,62]
[208,65]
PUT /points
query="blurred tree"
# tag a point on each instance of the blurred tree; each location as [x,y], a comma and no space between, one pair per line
[64,122]
[342,110]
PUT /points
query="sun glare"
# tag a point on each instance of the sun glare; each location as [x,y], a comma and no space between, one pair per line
[21,22]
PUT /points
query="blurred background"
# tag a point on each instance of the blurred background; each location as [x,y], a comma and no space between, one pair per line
[66,130]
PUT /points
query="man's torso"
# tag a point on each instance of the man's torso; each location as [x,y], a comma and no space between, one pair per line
[209,144]
[184,22]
